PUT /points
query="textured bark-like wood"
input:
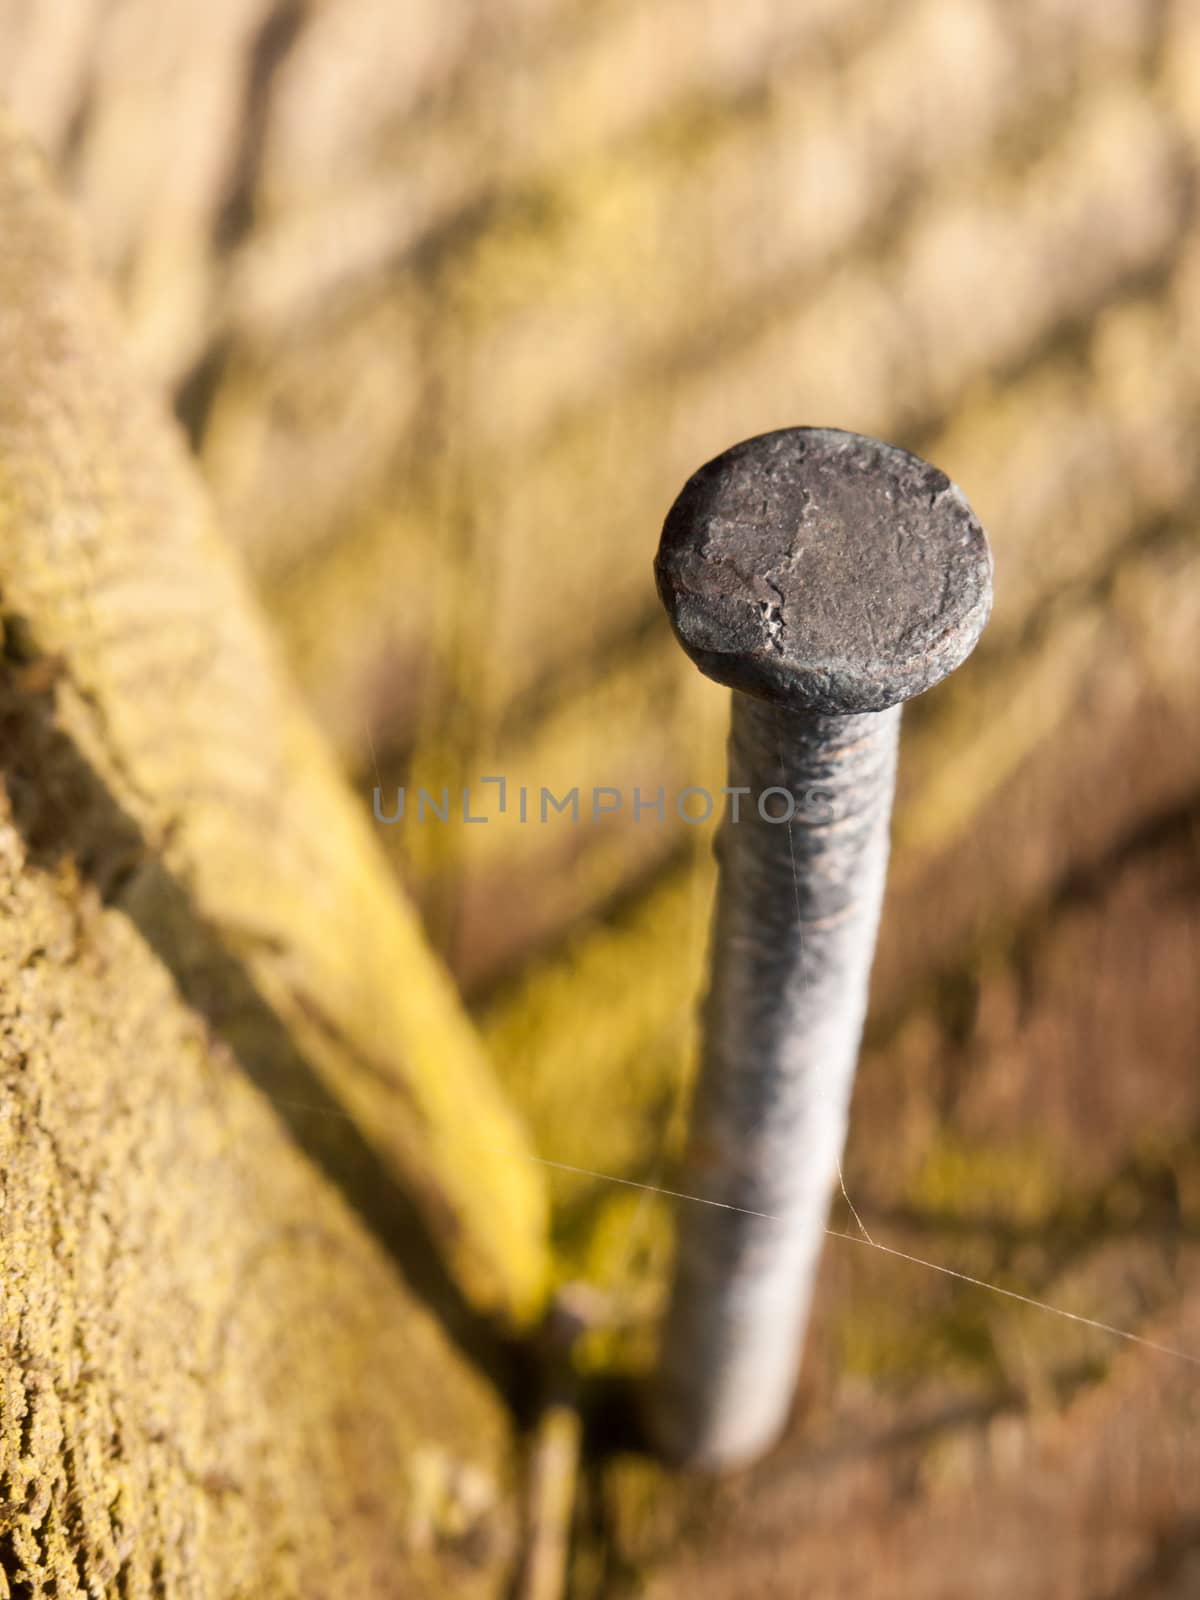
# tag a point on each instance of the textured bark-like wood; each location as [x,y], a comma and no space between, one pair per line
[492,275]
[213,1381]
[253,1199]
[260,883]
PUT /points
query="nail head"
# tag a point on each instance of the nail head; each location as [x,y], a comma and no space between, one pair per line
[824,570]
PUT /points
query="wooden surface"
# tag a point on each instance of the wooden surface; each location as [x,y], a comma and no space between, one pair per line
[249,1254]
[451,300]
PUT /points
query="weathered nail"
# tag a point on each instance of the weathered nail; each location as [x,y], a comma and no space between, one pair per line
[824,577]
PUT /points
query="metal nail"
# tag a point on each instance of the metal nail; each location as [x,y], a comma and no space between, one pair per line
[825,578]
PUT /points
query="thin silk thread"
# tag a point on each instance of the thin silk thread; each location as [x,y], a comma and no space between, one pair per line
[834,1233]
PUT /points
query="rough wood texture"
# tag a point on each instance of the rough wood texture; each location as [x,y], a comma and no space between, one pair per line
[258,1187]
[265,892]
[213,1381]
[451,298]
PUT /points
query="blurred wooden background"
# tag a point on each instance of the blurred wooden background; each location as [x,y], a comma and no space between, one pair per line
[450,298]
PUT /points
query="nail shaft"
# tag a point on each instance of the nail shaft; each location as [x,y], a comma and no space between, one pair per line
[797,909]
